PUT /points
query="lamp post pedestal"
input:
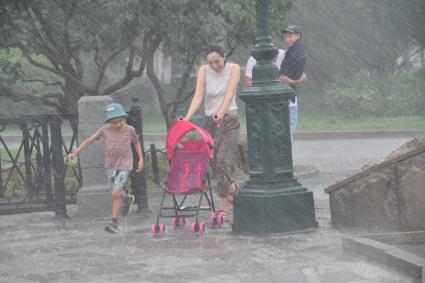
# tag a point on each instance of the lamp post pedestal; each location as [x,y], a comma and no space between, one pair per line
[272,201]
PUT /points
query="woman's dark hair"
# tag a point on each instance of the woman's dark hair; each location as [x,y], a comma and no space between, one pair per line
[216,48]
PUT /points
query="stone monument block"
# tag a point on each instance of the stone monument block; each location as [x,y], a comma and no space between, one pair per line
[94,198]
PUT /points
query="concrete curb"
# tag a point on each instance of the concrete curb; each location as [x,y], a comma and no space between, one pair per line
[326,135]
[305,171]
[372,247]
[378,134]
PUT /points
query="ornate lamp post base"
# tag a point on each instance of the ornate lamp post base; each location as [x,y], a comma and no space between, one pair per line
[272,201]
[273,210]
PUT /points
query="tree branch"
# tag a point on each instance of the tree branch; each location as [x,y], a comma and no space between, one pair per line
[150,46]
[182,87]
[40,31]
[183,99]
[102,67]
[129,74]
[59,84]
[38,100]
[58,72]
[45,25]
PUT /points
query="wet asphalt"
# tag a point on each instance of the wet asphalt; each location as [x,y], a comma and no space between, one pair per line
[39,248]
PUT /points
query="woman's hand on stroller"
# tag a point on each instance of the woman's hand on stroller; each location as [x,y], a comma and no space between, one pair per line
[181,118]
[218,119]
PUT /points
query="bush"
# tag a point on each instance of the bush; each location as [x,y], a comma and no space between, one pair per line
[364,95]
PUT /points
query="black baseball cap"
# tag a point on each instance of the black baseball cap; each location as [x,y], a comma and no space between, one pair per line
[291,29]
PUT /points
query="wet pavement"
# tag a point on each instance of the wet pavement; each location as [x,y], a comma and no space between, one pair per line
[37,248]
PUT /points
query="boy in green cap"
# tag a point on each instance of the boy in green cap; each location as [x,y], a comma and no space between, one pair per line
[118,137]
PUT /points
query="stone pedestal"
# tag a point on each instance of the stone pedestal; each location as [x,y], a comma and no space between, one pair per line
[94,198]
[273,210]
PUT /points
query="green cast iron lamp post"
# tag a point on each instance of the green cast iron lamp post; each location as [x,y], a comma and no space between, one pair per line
[272,201]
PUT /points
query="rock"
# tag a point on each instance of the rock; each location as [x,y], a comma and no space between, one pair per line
[404,148]
[389,195]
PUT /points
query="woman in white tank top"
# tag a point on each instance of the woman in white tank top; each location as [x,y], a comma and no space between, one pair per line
[218,82]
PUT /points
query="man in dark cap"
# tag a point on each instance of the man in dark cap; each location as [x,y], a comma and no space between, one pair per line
[292,67]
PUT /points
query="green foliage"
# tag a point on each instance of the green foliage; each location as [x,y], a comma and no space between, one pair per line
[366,95]
[74,43]
[9,69]
[327,122]
[15,186]
[163,166]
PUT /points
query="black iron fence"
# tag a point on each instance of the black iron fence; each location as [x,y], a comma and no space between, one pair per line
[33,173]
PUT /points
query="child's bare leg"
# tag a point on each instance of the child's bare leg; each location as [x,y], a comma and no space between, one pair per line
[116,202]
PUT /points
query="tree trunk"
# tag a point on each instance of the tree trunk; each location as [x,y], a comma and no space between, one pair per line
[185,79]
[72,93]
[159,90]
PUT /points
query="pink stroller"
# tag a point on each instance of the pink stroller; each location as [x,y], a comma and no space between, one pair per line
[189,159]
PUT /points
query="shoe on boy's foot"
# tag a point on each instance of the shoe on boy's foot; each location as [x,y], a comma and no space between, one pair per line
[111,228]
[127,201]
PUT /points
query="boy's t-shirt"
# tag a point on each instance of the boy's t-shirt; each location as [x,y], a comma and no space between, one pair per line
[118,153]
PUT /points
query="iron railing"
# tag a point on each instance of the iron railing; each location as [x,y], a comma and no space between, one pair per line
[33,173]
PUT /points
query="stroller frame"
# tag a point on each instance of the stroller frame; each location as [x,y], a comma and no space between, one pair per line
[189,164]
[183,212]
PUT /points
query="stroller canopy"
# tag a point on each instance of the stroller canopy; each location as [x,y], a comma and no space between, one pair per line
[181,128]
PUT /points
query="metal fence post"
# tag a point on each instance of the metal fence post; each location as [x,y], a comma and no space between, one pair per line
[58,166]
[138,179]
[1,179]
[27,157]
[47,174]
[155,168]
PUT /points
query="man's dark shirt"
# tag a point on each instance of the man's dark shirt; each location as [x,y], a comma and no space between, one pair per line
[294,62]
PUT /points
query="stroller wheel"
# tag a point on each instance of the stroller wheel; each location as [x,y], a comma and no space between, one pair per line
[154,229]
[182,222]
[216,220]
[194,227]
[201,228]
[220,220]
[197,228]
[178,222]
[161,230]
[213,220]
[158,230]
